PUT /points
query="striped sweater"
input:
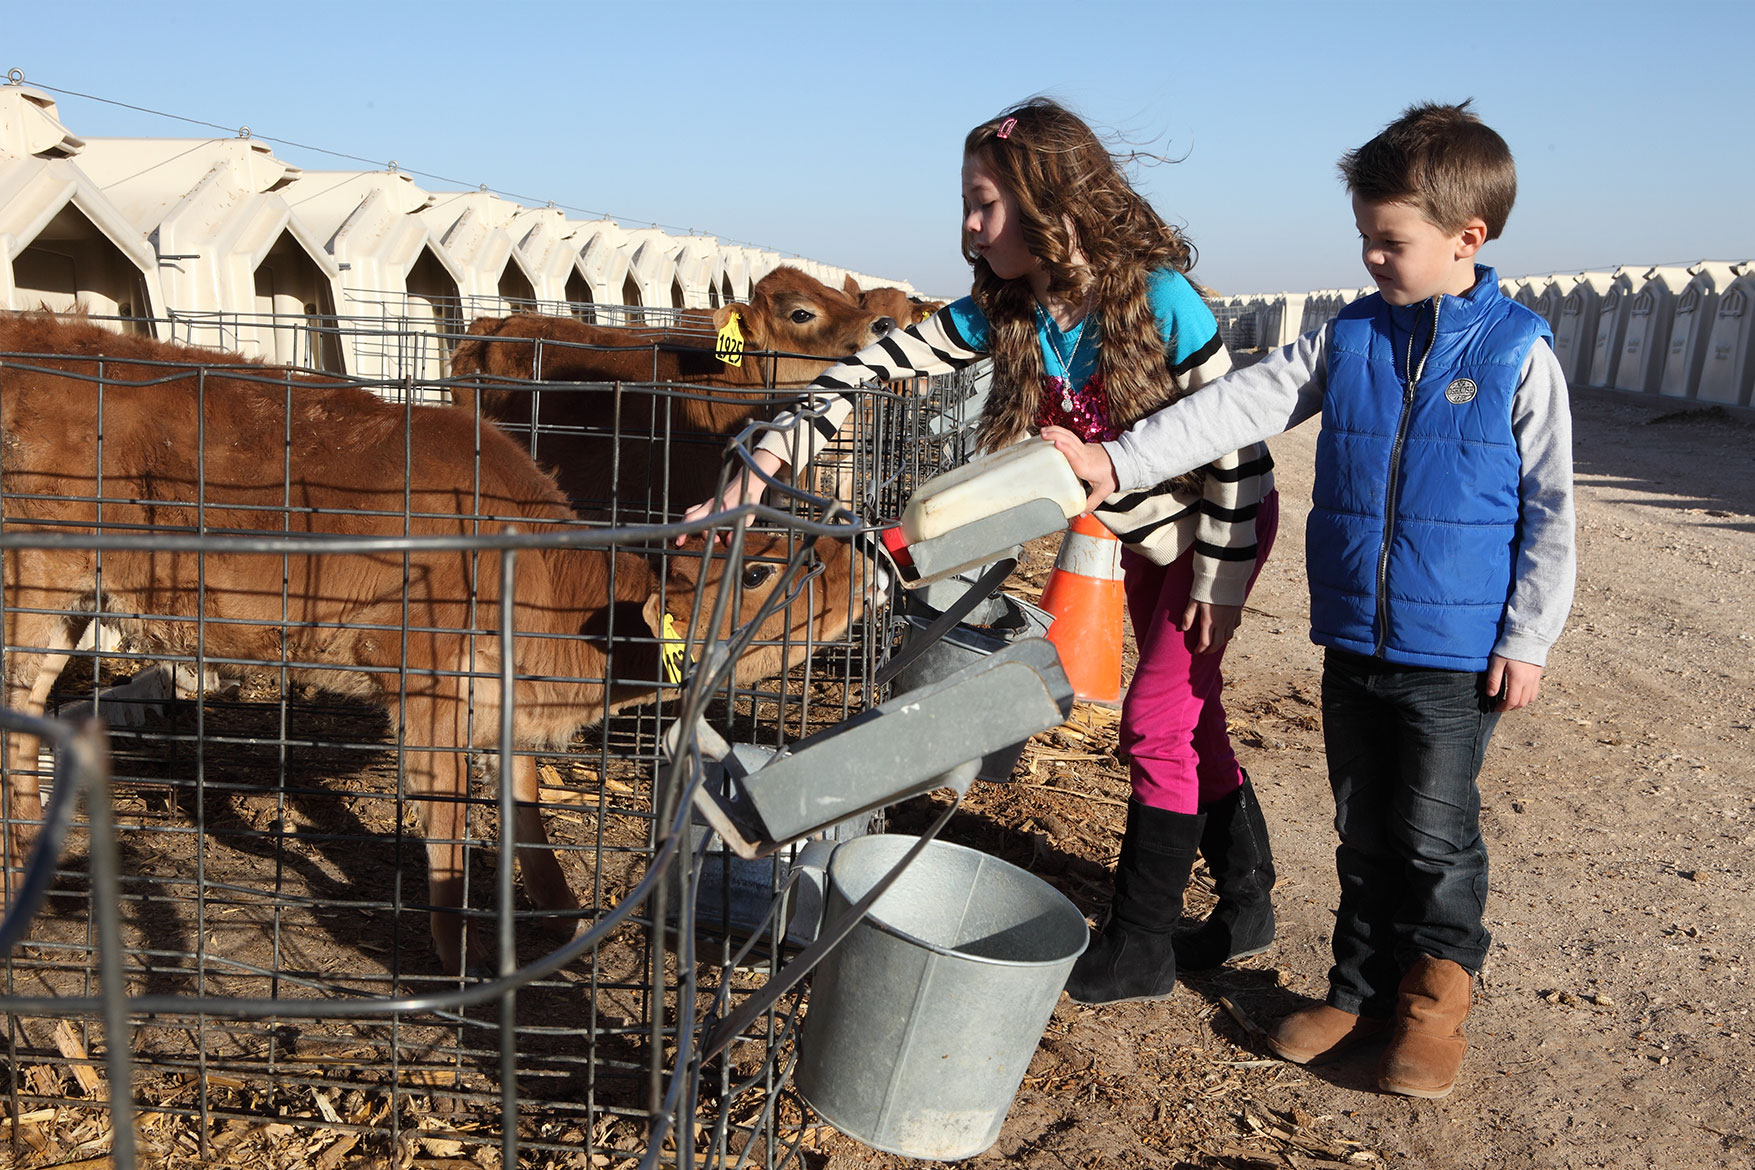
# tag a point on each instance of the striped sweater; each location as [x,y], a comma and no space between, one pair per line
[1216,517]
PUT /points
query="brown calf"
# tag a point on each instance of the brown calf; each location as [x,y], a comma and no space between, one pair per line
[893,302]
[284,454]
[670,447]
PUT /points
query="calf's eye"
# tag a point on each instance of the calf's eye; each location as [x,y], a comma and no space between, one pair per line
[802,316]
[756,576]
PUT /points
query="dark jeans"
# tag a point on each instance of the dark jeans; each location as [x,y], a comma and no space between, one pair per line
[1404,746]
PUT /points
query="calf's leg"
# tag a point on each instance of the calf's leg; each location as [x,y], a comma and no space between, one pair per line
[30,678]
[437,770]
[544,881]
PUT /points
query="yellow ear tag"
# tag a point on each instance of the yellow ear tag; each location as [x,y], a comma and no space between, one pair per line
[730,345]
[672,654]
[924,314]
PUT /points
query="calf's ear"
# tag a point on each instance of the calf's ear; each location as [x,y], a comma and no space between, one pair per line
[673,652]
[749,323]
[851,287]
[653,612]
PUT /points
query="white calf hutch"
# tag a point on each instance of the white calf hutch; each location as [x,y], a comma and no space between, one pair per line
[63,242]
[393,268]
[1645,343]
[1728,370]
[700,273]
[652,268]
[240,271]
[1551,297]
[475,229]
[1575,334]
[1691,328]
[1612,316]
[542,236]
[604,255]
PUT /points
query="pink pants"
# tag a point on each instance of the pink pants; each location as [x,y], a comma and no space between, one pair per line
[1172,719]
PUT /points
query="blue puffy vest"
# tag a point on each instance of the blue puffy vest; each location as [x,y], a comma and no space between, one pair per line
[1414,528]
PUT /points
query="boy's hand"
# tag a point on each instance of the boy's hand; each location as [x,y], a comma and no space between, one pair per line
[1515,683]
[1089,462]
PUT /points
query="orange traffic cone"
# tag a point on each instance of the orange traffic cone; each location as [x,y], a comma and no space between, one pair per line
[1084,594]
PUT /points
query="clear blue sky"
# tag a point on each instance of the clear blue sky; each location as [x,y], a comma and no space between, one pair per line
[833,129]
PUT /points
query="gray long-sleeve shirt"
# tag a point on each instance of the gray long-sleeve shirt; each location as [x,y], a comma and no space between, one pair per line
[1287,387]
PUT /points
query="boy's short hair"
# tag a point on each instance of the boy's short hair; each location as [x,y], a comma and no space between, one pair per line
[1441,160]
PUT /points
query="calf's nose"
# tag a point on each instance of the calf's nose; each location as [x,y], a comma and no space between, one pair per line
[879,580]
[882,581]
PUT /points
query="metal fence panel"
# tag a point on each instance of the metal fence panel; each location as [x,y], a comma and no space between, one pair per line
[265,952]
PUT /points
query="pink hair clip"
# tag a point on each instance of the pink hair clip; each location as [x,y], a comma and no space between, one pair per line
[1005,128]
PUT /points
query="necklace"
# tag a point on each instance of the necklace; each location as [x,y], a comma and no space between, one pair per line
[1063,382]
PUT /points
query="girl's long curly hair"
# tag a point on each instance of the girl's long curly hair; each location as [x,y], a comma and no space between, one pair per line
[1072,199]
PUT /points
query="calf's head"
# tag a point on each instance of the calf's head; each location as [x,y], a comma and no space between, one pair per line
[817,604]
[791,312]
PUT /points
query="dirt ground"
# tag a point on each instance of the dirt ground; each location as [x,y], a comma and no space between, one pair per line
[1612,1023]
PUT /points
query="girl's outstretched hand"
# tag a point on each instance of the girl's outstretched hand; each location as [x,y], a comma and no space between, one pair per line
[742,488]
[734,494]
[1089,462]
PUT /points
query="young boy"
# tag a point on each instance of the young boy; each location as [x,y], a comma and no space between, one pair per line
[1441,563]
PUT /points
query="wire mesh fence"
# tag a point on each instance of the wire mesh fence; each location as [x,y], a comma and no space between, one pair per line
[336,638]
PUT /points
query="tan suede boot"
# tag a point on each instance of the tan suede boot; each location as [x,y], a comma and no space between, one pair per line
[1427,1048]
[1317,1034]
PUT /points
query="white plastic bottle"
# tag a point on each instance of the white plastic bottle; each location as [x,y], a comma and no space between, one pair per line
[989,485]
[983,488]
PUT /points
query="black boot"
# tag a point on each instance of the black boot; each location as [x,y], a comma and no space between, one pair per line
[1235,844]
[1133,957]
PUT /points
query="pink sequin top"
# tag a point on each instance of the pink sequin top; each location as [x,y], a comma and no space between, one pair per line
[1088,417]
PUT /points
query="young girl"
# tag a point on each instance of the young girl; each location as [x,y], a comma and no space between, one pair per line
[1080,299]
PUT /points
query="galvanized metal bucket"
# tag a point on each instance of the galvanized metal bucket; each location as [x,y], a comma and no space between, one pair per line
[735,897]
[921,1023]
[1003,619]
